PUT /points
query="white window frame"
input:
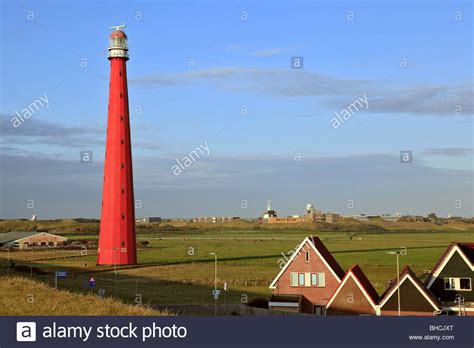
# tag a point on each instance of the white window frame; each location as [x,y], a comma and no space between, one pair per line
[455,284]
[307,256]
[321,280]
[294,276]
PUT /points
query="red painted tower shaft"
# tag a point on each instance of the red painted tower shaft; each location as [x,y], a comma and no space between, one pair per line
[117,244]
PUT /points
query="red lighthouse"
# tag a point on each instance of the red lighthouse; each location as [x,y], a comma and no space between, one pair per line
[117,244]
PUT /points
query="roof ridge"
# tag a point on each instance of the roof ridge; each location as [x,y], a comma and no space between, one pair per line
[407,271]
[327,255]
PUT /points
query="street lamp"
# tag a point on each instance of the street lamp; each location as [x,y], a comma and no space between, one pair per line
[115,264]
[402,251]
[31,268]
[115,272]
[8,261]
[215,292]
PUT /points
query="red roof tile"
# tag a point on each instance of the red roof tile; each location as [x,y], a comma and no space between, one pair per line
[326,254]
[467,249]
[365,282]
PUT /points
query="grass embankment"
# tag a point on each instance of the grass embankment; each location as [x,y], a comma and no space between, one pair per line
[91,227]
[21,296]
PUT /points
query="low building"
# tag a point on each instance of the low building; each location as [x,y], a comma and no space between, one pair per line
[354,296]
[331,218]
[312,273]
[360,217]
[415,298]
[26,240]
[286,220]
[391,217]
[312,215]
[215,219]
[450,280]
[148,219]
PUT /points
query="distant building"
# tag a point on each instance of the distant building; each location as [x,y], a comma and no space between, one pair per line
[312,215]
[391,217]
[360,217]
[285,220]
[269,213]
[331,218]
[148,219]
[26,240]
[215,219]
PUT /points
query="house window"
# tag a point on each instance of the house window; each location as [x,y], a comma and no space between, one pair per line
[293,279]
[318,279]
[301,279]
[450,283]
[306,256]
[465,284]
[460,284]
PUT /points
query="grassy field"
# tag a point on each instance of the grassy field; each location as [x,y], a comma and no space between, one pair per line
[177,268]
[22,296]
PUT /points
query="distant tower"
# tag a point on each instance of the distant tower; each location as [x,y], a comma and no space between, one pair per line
[269,205]
[117,244]
[269,213]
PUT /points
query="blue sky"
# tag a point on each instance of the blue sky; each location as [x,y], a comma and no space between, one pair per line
[412,60]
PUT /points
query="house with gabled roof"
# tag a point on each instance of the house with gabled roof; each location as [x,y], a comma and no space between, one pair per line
[415,298]
[450,280]
[30,239]
[355,295]
[310,276]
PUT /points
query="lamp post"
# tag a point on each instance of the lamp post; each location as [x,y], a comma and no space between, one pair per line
[215,283]
[115,272]
[402,251]
[8,262]
[31,268]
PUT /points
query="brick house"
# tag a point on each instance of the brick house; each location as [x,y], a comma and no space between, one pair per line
[310,277]
[355,295]
[450,280]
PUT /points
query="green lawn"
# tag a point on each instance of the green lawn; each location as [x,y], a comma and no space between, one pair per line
[177,268]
